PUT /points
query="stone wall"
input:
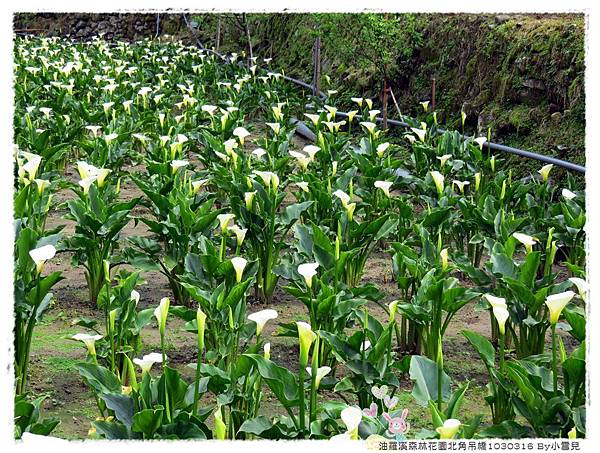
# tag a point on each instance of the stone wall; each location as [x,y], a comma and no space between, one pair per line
[118,26]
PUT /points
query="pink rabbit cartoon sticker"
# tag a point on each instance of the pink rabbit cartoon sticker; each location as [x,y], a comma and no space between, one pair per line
[398,427]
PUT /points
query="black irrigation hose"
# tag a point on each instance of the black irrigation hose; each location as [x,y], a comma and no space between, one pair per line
[497,147]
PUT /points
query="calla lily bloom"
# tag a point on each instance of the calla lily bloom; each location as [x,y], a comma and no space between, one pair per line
[545,171]
[443,159]
[239,264]
[197,185]
[381,149]
[461,185]
[313,117]
[261,318]
[480,141]
[556,303]
[135,296]
[499,309]
[526,240]
[438,180]
[41,255]
[241,133]
[477,181]
[343,196]
[384,186]
[267,351]
[220,426]
[365,345]
[102,174]
[308,271]
[359,101]
[425,105]
[501,314]
[351,115]
[88,340]
[201,323]
[161,313]
[210,109]
[224,220]
[444,258]
[582,287]
[449,429]
[321,373]
[146,362]
[373,114]
[393,307]
[352,416]
[259,152]
[303,185]
[568,195]
[311,150]
[32,165]
[248,198]
[276,127]
[303,160]
[270,179]
[306,337]
[421,133]
[177,164]
[41,185]
[369,126]
[87,182]
[240,233]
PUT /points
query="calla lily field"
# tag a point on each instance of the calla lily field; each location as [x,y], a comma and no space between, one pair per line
[173,183]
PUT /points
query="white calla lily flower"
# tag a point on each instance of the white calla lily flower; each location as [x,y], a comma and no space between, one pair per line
[381,148]
[449,429]
[261,318]
[369,126]
[438,180]
[526,240]
[480,142]
[545,171]
[239,264]
[240,233]
[87,182]
[343,196]
[161,313]
[275,127]
[568,195]
[352,416]
[461,185]
[582,287]
[308,271]
[311,150]
[197,185]
[146,362]
[224,220]
[177,164]
[556,303]
[42,254]
[443,159]
[306,337]
[88,340]
[421,133]
[303,185]
[241,133]
[321,373]
[384,186]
